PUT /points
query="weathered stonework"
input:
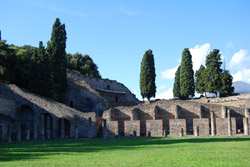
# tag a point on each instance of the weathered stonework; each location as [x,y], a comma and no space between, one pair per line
[201,127]
[222,127]
[32,117]
[110,128]
[246,122]
[155,127]
[177,127]
[132,128]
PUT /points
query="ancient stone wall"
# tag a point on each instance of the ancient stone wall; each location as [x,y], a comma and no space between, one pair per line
[201,126]
[111,90]
[26,116]
[222,126]
[84,98]
[155,127]
[177,127]
[132,128]
[110,128]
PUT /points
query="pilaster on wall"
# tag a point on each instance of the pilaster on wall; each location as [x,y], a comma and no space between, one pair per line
[176,112]
[223,112]
[132,128]
[246,124]
[155,127]
[212,123]
[200,112]
[247,112]
[229,124]
[177,126]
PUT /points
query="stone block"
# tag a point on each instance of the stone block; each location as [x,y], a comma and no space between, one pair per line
[201,127]
[110,128]
[130,127]
[222,126]
[175,126]
[155,127]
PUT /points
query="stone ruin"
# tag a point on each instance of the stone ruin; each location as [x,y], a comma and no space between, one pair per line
[176,118]
[89,113]
[26,116]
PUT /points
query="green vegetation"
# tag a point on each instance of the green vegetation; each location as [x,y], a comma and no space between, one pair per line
[211,79]
[83,64]
[186,75]
[176,89]
[147,75]
[200,80]
[195,152]
[43,70]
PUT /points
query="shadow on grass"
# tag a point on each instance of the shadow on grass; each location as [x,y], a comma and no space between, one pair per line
[40,149]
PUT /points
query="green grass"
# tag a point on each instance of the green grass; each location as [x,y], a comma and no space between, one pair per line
[143,152]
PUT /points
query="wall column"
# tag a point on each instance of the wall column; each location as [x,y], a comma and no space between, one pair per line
[76,132]
[9,128]
[4,132]
[18,132]
[27,131]
[200,112]
[54,128]
[176,112]
[212,123]
[247,112]
[48,127]
[42,127]
[229,123]
[62,129]
[246,126]
[35,130]
[71,130]
[223,112]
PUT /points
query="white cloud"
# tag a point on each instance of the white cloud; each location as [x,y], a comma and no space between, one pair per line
[238,76]
[199,54]
[168,94]
[240,59]
[169,74]
[240,62]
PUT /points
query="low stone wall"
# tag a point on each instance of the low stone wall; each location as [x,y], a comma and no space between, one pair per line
[222,126]
[110,128]
[177,127]
[201,127]
[155,127]
[131,127]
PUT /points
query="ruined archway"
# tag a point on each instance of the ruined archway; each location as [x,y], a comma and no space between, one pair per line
[25,117]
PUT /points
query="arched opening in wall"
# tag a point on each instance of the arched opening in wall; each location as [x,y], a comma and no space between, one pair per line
[116,99]
[67,128]
[25,116]
[48,126]
[63,128]
[108,87]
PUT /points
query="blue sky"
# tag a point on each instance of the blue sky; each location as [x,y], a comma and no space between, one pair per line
[117,33]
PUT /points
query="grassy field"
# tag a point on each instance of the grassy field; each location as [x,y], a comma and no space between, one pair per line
[129,152]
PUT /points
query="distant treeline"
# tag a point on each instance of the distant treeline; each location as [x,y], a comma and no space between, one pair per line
[43,70]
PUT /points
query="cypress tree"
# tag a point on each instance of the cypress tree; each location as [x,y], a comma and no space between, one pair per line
[57,56]
[213,71]
[200,80]
[186,75]
[176,90]
[147,75]
[226,81]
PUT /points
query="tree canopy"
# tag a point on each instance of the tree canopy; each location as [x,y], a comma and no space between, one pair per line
[176,89]
[147,75]
[186,75]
